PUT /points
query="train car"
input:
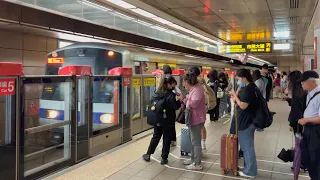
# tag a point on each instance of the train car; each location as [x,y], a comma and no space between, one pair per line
[103,57]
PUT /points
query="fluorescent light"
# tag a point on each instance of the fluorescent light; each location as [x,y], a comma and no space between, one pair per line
[159,28]
[94,5]
[122,4]
[155,50]
[161,20]
[172,32]
[285,46]
[123,16]
[190,56]
[143,13]
[281,34]
[64,43]
[144,23]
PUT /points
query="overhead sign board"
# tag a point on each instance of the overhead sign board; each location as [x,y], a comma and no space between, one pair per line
[261,47]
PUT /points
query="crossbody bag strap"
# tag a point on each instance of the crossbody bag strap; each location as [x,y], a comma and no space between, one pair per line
[312,98]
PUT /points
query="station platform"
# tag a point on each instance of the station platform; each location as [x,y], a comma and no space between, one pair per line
[125,162]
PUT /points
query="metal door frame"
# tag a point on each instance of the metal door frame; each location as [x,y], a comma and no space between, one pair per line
[42,79]
[132,104]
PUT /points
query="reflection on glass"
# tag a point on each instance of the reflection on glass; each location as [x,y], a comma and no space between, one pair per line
[136,98]
[105,103]
[47,139]
[149,87]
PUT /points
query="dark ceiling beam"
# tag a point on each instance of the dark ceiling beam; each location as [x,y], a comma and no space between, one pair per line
[11,12]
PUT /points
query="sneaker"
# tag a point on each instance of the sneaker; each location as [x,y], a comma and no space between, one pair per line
[146,157]
[173,143]
[187,162]
[164,161]
[244,175]
[195,167]
[203,144]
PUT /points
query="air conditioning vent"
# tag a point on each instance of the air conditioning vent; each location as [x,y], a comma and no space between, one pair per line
[293,20]
[294,4]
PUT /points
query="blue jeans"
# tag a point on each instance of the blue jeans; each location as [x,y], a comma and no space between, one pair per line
[246,140]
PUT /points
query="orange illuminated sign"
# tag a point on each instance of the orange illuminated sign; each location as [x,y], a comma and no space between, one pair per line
[55,60]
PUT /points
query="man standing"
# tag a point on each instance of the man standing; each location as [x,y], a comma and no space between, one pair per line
[267,81]
[311,124]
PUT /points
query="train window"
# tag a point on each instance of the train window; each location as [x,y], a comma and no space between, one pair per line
[105,104]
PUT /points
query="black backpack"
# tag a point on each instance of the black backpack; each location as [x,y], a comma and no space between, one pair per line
[263,118]
[156,111]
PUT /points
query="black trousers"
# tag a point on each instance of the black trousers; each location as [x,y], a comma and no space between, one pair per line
[214,113]
[174,135]
[311,149]
[167,133]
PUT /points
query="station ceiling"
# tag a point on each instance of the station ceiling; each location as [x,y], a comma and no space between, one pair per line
[277,21]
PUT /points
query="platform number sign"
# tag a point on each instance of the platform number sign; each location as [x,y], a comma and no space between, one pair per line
[7,87]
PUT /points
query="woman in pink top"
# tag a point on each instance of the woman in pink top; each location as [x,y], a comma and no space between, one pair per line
[195,102]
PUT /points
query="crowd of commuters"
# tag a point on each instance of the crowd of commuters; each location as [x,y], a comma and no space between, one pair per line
[299,90]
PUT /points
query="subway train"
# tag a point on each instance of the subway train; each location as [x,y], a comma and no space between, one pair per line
[103,57]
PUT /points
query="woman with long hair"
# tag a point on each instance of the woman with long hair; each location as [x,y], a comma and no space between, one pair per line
[171,103]
[277,90]
[195,103]
[297,102]
[213,82]
[223,101]
[246,106]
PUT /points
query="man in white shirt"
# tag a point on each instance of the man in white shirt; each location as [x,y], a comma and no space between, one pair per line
[311,124]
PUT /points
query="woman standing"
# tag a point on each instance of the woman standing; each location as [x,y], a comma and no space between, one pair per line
[277,82]
[195,103]
[223,101]
[171,103]
[213,82]
[284,82]
[297,102]
[246,107]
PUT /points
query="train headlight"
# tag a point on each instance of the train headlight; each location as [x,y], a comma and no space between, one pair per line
[106,118]
[51,114]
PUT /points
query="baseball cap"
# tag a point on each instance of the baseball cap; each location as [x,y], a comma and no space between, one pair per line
[309,75]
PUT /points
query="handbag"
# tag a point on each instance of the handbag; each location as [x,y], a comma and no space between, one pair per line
[181,118]
[286,155]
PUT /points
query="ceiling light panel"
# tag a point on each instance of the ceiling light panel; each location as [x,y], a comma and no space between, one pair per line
[144,13]
[122,4]
[285,46]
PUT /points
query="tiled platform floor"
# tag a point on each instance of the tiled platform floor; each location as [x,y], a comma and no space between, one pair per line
[126,163]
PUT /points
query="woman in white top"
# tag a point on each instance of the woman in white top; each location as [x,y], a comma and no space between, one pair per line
[284,82]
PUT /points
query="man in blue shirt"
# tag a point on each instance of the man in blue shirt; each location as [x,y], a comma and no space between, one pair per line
[311,124]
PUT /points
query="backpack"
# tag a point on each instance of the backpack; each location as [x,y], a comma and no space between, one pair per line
[263,118]
[156,112]
[211,100]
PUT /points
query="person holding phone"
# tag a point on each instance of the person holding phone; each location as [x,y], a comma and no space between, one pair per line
[167,71]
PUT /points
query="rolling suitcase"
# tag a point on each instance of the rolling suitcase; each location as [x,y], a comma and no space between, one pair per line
[185,146]
[229,151]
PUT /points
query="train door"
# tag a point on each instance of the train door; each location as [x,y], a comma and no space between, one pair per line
[148,89]
[136,97]
[125,112]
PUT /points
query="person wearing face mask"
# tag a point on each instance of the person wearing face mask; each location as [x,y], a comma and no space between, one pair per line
[167,71]
[171,103]
[246,106]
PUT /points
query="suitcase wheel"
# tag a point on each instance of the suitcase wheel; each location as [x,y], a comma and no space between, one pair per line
[223,172]
[184,153]
[235,173]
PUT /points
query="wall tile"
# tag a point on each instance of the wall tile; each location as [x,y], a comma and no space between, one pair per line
[34,43]
[10,40]
[34,58]
[10,55]
[33,70]
[52,44]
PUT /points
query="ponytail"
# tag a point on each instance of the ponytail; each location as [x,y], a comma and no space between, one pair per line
[191,79]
